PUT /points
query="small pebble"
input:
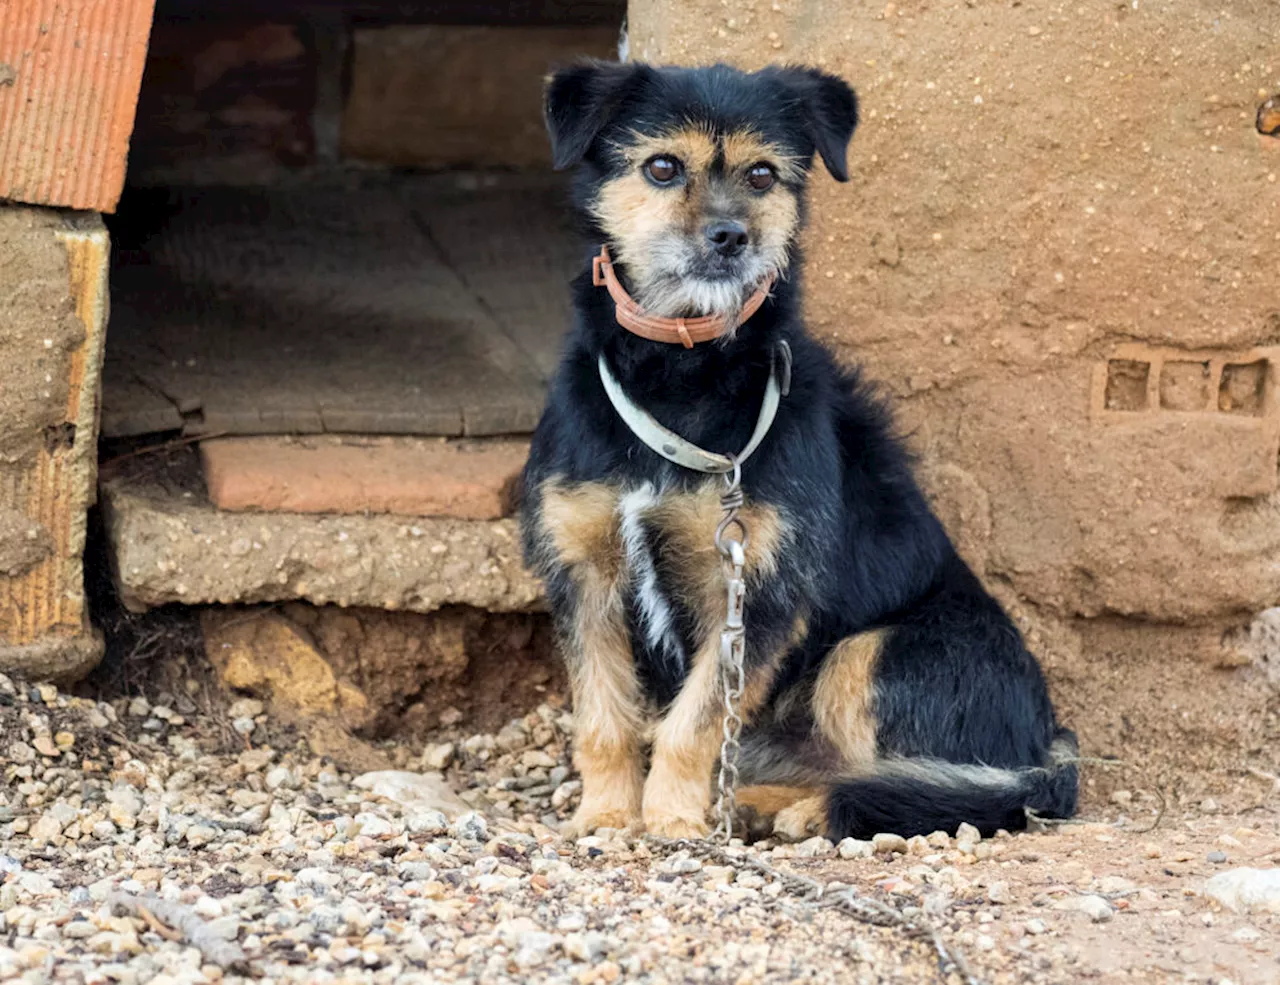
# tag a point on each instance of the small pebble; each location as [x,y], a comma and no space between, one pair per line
[246,708]
[1097,908]
[885,844]
[818,847]
[853,848]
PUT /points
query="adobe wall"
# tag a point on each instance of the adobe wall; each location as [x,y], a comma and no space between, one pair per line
[1060,251]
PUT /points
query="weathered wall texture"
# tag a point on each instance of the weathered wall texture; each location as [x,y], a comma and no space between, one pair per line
[53,307]
[1060,250]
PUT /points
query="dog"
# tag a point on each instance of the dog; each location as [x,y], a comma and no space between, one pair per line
[885,689]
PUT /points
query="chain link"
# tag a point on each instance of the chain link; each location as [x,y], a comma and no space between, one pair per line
[733,645]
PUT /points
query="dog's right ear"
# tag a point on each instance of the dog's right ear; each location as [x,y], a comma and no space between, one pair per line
[578,102]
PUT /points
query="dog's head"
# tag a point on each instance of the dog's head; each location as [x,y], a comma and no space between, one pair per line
[695,176]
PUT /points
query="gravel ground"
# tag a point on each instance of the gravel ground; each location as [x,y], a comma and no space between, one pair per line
[137,846]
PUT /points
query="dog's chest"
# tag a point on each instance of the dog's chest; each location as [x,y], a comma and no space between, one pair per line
[651,552]
[662,541]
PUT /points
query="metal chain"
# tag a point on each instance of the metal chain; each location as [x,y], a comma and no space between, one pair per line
[733,683]
[733,645]
[820,896]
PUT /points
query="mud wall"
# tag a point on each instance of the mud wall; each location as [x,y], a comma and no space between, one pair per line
[1060,251]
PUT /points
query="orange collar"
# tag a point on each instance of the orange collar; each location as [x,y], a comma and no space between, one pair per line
[686,331]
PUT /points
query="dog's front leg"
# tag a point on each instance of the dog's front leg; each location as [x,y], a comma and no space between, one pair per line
[686,743]
[686,746]
[608,720]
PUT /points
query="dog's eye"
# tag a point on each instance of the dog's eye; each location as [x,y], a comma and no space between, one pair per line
[761,177]
[663,170]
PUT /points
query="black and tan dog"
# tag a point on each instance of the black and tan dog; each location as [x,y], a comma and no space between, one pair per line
[886,690]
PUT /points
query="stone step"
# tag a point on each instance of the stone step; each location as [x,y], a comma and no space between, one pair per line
[171,544]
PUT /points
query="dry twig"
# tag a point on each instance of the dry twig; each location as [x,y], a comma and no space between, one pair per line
[180,923]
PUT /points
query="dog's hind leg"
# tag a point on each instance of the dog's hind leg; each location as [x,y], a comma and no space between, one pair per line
[843,703]
[769,800]
[796,812]
[843,714]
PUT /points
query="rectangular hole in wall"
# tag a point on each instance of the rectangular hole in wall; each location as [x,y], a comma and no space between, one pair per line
[1242,388]
[342,217]
[1184,385]
[1127,384]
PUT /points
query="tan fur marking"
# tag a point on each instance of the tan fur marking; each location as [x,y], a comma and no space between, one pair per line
[842,696]
[582,524]
[774,217]
[608,713]
[636,214]
[689,523]
[687,742]
[637,219]
[768,800]
[803,819]
[745,148]
[582,521]
[694,146]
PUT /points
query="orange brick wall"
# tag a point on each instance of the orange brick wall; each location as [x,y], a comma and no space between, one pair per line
[69,77]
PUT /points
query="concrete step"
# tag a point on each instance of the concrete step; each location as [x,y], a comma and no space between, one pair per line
[171,544]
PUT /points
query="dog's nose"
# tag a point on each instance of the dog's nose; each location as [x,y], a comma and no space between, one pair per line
[727,238]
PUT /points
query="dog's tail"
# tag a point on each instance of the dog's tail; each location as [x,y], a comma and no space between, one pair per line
[919,796]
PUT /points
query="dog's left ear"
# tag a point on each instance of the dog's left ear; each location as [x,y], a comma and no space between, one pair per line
[831,113]
[579,101]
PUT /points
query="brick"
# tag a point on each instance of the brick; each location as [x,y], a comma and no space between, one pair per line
[69,79]
[53,267]
[472,480]
[440,97]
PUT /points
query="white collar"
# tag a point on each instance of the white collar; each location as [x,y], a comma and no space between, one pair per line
[682,452]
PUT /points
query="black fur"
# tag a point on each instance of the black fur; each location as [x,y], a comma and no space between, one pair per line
[955,683]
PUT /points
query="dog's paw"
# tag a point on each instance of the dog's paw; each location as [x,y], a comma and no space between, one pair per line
[803,819]
[587,820]
[676,827]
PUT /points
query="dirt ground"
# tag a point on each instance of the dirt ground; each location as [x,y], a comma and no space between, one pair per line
[1116,896]
[1180,784]
[1160,927]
